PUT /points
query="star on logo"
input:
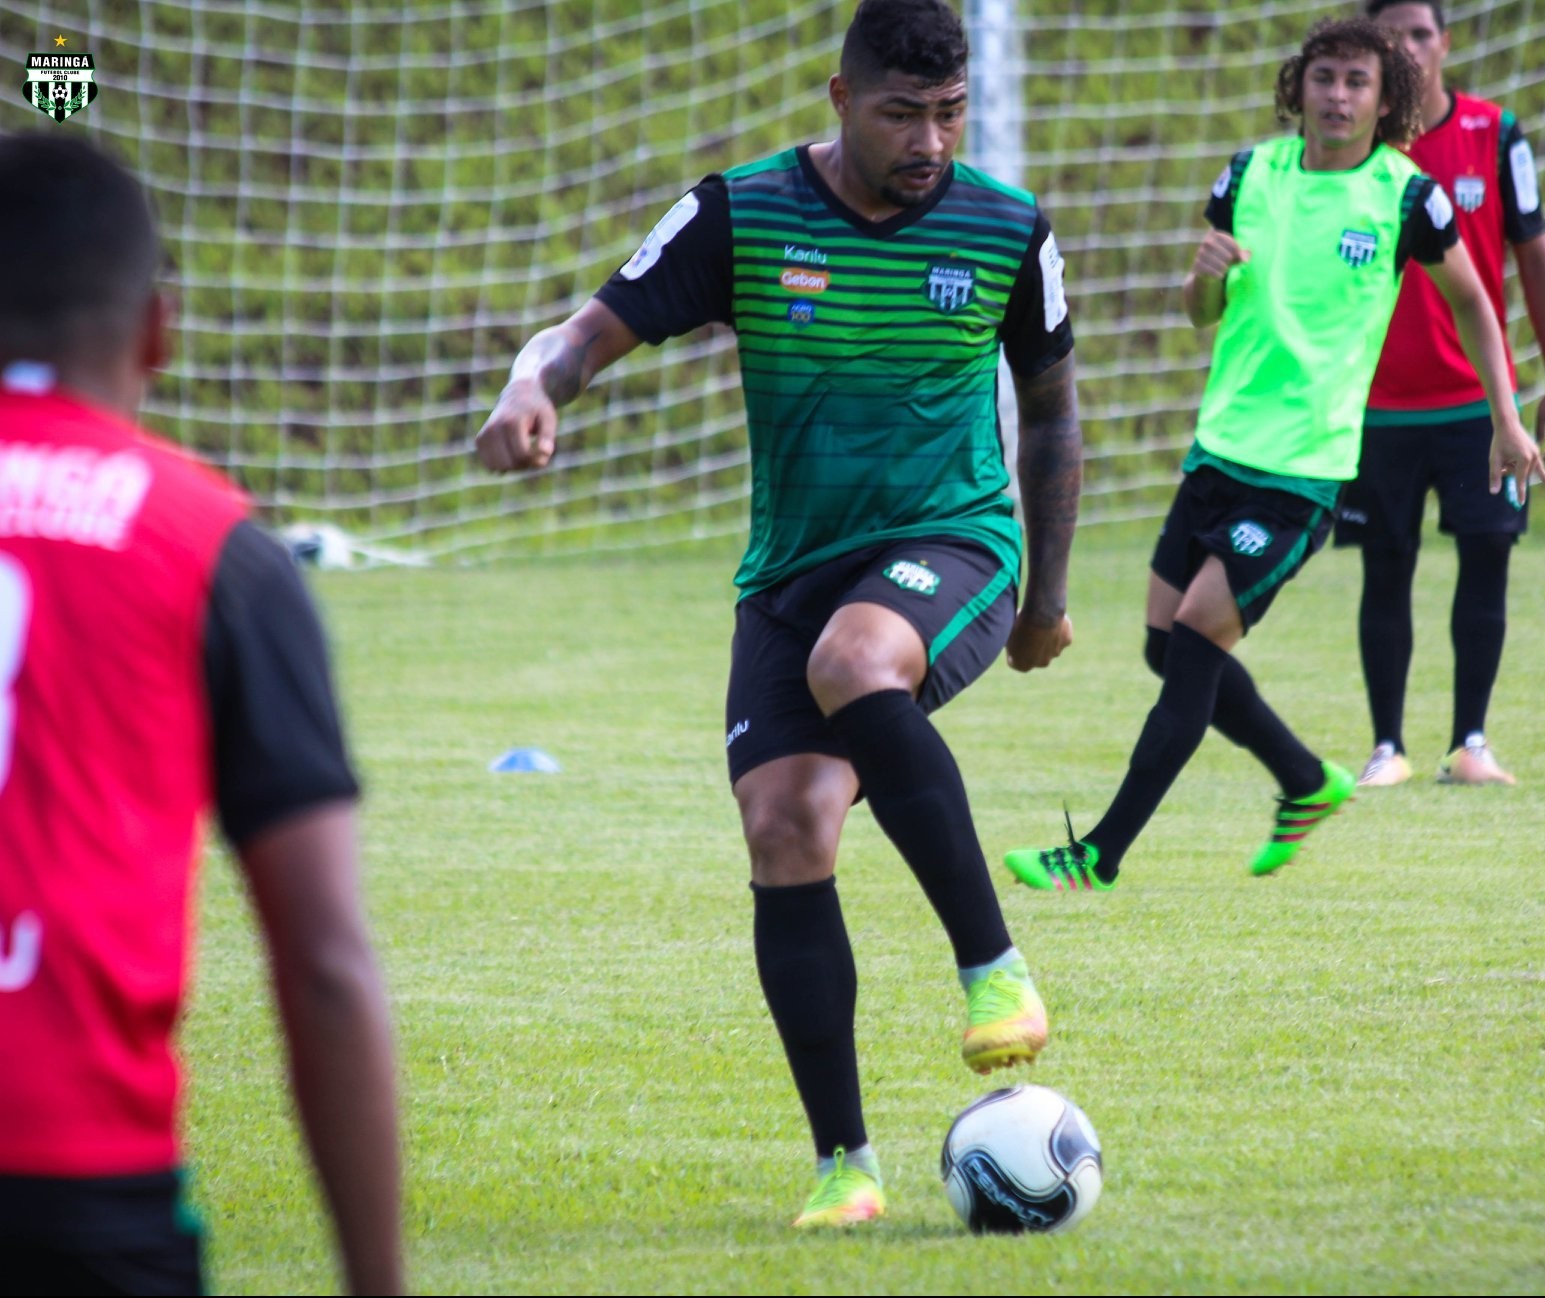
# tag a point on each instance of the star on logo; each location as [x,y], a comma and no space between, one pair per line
[61,40]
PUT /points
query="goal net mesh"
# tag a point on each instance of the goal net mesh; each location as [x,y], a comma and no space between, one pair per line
[371,205]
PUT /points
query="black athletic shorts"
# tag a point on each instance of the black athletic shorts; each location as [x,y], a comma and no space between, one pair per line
[98,1235]
[958,596]
[1263,537]
[1382,507]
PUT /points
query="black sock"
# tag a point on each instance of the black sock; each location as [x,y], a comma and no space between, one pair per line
[1173,731]
[1243,716]
[1478,625]
[917,796]
[1384,637]
[806,966]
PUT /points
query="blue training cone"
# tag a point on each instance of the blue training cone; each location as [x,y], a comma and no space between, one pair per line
[526,759]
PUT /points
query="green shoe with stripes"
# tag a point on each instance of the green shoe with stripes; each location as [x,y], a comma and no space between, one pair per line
[1297,816]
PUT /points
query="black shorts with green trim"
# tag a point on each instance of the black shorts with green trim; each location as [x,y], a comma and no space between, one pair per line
[98,1235]
[1383,506]
[959,597]
[1262,536]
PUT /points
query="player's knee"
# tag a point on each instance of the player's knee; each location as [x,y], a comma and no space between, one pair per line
[1487,549]
[789,840]
[842,671]
[1154,650]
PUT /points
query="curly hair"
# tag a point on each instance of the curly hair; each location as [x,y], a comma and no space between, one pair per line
[1400,80]
[922,38]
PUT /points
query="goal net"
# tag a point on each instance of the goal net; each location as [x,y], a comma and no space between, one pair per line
[371,205]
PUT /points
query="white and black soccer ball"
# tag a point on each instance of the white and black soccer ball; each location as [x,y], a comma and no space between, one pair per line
[1025,1158]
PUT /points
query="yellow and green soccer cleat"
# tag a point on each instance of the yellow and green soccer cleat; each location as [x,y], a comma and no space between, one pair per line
[1007,1021]
[845,1196]
[1297,816]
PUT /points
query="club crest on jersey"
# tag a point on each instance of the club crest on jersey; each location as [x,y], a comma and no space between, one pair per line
[951,285]
[1249,539]
[1469,192]
[917,577]
[1358,247]
[59,83]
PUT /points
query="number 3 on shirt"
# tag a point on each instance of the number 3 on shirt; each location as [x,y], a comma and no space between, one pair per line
[15,606]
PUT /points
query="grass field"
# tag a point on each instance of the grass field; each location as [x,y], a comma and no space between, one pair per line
[1328,1081]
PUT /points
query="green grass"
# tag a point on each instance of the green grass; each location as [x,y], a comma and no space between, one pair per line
[1327,1081]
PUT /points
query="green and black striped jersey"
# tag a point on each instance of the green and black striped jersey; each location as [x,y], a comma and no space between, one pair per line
[868,350]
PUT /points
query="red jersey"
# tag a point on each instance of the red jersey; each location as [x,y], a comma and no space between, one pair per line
[1482,160]
[109,539]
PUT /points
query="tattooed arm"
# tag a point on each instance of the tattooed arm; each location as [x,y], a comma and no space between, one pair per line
[550,371]
[1051,472]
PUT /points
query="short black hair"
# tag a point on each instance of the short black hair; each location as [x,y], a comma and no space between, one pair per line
[921,38]
[1400,80]
[79,253]
[1375,7]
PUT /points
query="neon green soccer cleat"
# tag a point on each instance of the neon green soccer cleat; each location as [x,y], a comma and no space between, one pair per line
[1007,1021]
[845,1196]
[1297,816]
[1059,869]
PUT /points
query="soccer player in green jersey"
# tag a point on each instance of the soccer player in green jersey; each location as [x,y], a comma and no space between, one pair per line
[872,282]
[1300,272]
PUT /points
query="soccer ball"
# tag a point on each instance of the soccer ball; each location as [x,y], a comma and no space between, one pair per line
[1020,1159]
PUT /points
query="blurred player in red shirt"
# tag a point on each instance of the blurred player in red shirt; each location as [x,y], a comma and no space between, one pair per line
[159,656]
[1427,423]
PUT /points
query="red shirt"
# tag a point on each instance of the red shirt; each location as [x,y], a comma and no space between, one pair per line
[108,543]
[1486,166]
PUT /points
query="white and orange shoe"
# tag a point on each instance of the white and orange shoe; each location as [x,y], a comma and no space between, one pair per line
[1474,763]
[1384,768]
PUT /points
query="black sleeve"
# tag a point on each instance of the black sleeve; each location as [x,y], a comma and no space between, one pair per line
[1037,330]
[278,742]
[1519,186]
[1220,203]
[683,274]
[1429,229]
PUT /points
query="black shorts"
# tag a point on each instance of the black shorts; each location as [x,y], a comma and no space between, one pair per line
[1382,507]
[1262,536]
[98,1235]
[959,597]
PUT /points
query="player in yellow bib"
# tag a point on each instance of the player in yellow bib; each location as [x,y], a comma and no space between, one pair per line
[1300,273]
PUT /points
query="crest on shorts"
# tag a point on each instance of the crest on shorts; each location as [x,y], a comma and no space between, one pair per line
[59,83]
[1249,539]
[917,577]
[1358,247]
[1470,192]
[951,285]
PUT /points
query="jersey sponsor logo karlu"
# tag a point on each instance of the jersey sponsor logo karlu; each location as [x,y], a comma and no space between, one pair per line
[1358,247]
[916,577]
[668,227]
[1469,192]
[951,285]
[740,728]
[1249,539]
[1526,184]
[810,256]
[801,313]
[798,280]
[1469,122]
[1221,185]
